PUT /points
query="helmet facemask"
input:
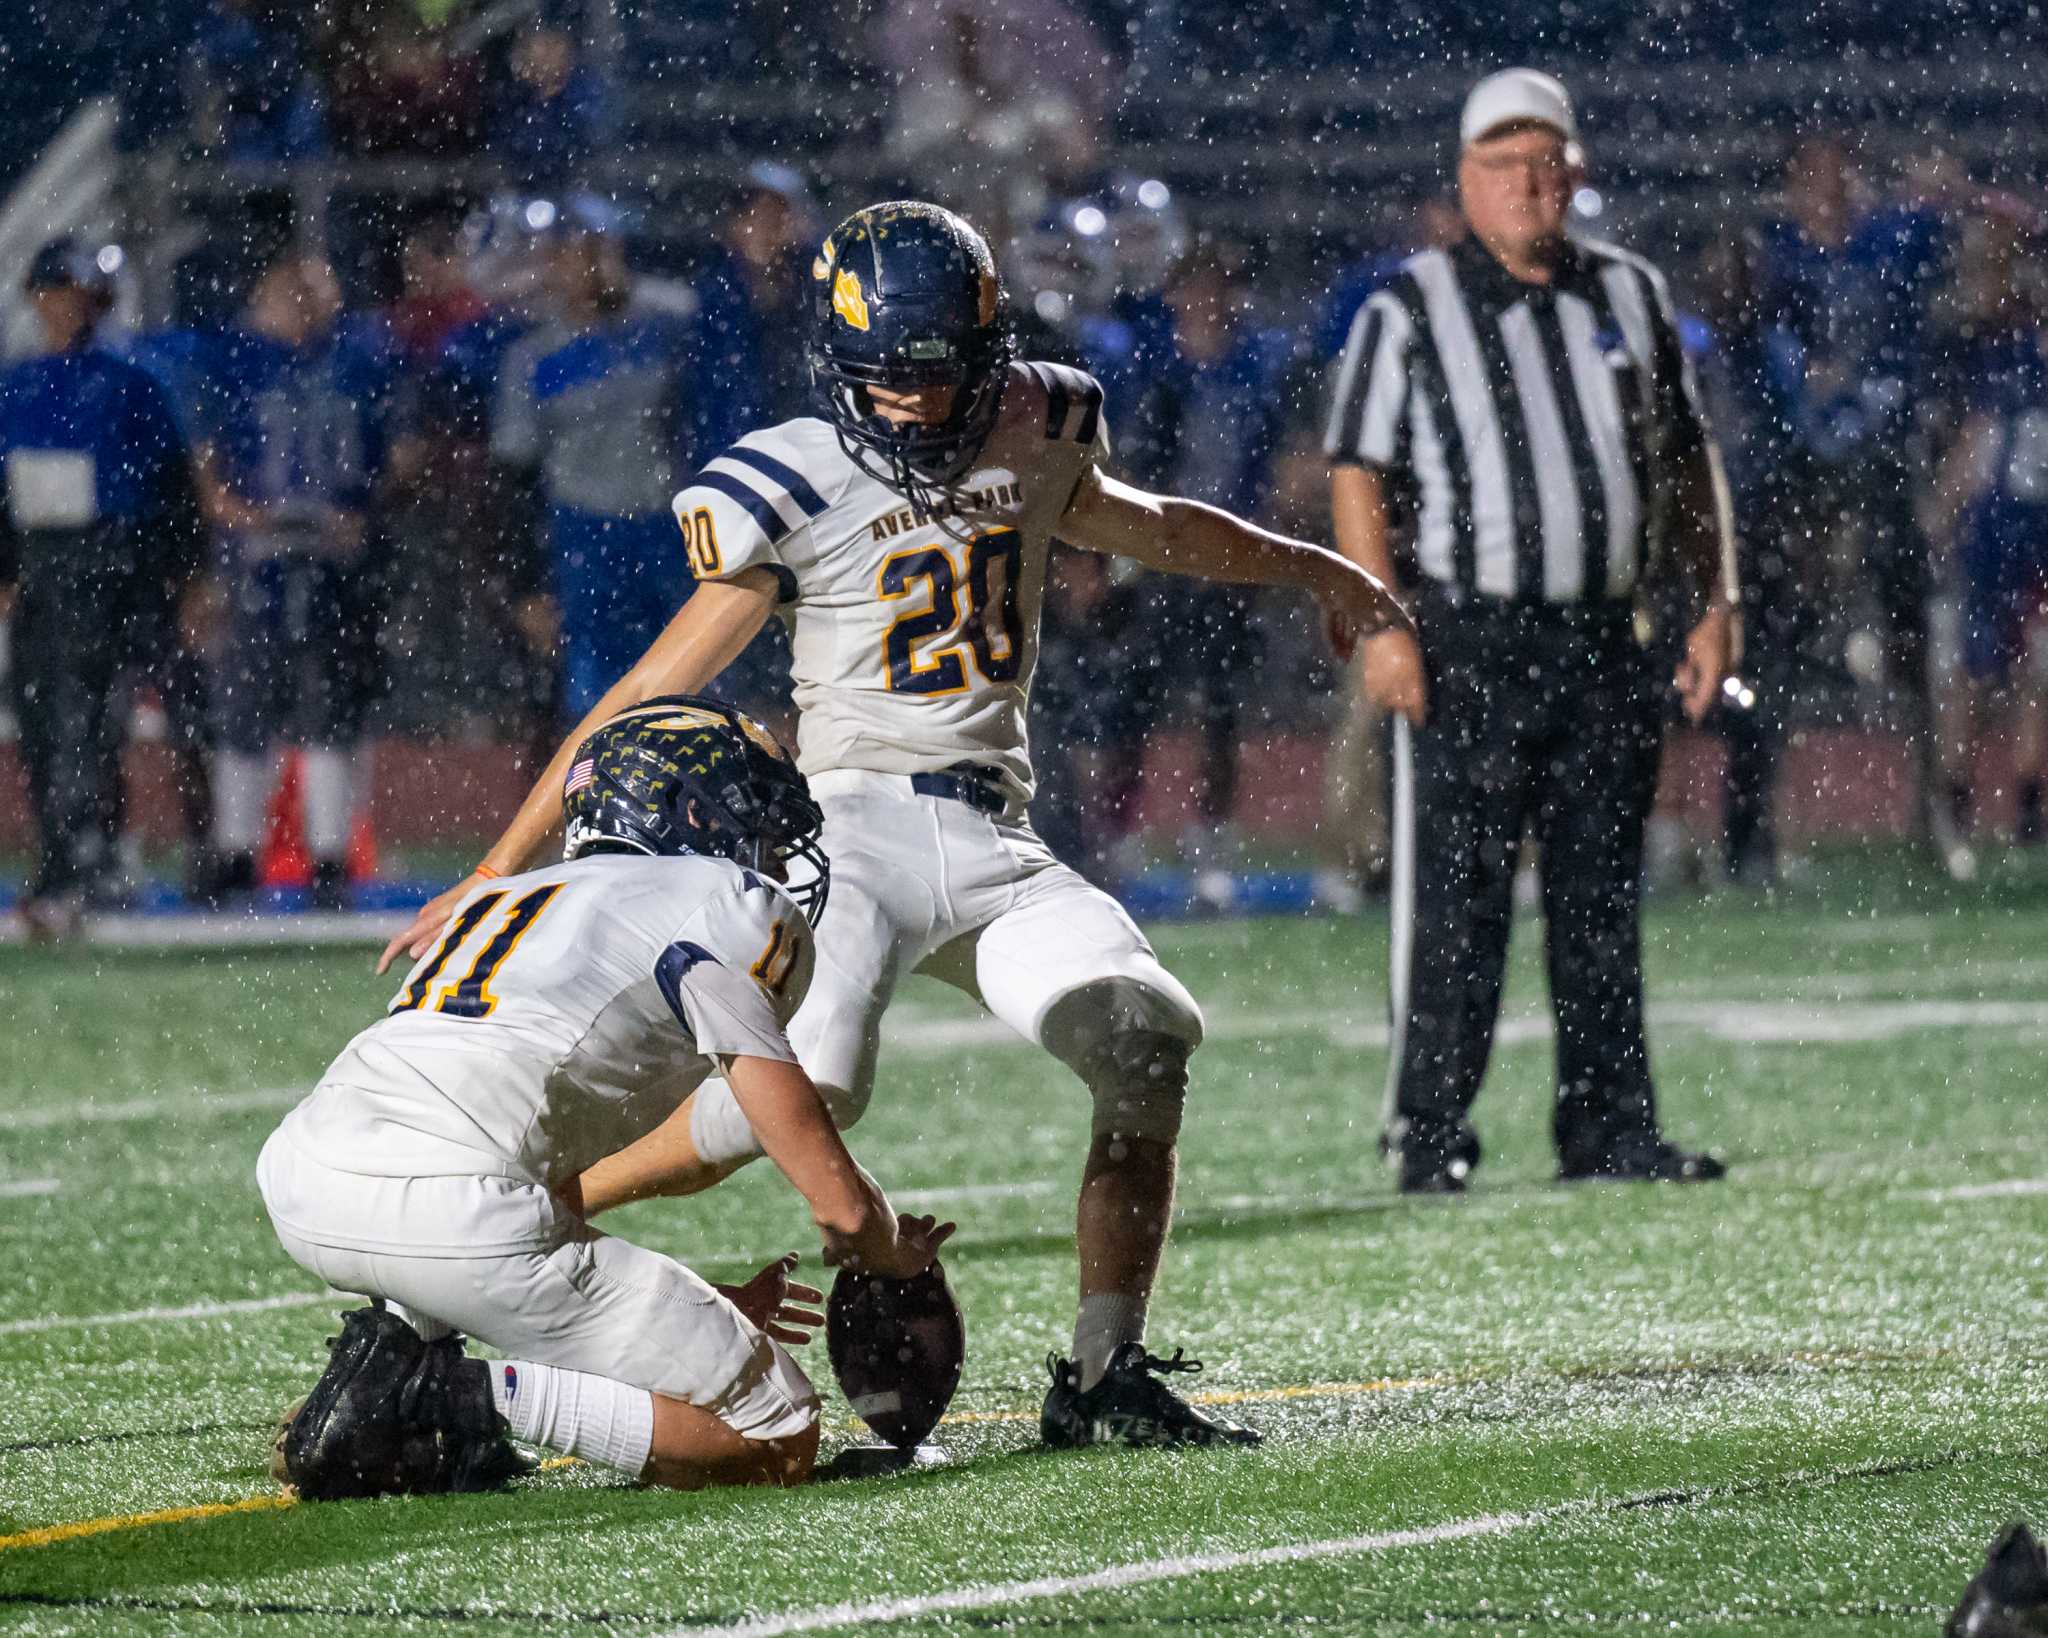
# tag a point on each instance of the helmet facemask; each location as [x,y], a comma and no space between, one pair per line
[744,801]
[907,297]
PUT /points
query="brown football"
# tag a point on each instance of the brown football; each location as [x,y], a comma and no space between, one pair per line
[897,1347]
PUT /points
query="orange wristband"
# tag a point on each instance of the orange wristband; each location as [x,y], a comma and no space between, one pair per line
[487,872]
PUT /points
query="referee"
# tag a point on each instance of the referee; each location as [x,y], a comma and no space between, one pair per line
[1517,408]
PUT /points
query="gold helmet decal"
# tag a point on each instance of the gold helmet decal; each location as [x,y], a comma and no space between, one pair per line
[761,737]
[821,264]
[673,716]
[988,295]
[847,301]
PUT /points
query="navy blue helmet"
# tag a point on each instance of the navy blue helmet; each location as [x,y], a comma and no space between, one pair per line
[685,774]
[905,295]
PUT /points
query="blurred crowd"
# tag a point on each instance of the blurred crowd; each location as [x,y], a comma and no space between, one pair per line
[426,495]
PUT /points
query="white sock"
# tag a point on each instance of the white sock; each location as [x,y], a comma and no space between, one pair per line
[1105,1321]
[576,1413]
[241,787]
[327,781]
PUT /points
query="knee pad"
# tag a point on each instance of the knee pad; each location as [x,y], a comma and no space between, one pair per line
[1139,1082]
[1129,1043]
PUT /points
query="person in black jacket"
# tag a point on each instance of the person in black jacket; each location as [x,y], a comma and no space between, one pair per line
[100,515]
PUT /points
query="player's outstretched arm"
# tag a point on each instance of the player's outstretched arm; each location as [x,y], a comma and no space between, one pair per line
[859,1227]
[1188,537]
[705,637]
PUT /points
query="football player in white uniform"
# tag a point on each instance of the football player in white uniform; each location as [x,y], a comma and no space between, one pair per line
[531,1073]
[904,533]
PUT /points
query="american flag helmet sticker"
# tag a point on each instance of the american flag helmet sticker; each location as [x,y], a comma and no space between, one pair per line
[580,775]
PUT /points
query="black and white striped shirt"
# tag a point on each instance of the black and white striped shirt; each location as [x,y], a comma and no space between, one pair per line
[1529,429]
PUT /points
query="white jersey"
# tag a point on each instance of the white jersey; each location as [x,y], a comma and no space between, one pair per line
[564,1013]
[913,640]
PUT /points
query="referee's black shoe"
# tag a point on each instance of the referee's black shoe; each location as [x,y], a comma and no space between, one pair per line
[1130,1406]
[1645,1157]
[1430,1161]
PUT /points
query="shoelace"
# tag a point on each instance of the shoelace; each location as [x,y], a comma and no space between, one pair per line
[1179,1364]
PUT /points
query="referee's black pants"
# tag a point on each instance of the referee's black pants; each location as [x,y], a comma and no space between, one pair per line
[1547,719]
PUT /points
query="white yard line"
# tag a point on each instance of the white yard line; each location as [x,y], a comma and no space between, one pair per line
[165,1106]
[923,1033]
[140,1316]
[227,931]
[996,1595]
[23,1188]
[1980,1191]
[1754,1022]
[1909,983]
[973,1191]
[1880,929]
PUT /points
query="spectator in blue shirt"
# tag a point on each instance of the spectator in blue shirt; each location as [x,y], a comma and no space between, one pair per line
[1845,291]
[754,286]
[1204,414]
[247,86]
[1991,512]
[612,404]
[99,524]
[551,112]
[294,441]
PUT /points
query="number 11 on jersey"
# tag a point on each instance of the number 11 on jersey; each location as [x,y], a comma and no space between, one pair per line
[470,996]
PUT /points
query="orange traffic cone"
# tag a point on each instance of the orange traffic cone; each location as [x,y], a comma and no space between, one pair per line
[283,860]
[362,847]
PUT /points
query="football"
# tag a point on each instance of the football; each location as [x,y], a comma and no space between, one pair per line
[897,1347]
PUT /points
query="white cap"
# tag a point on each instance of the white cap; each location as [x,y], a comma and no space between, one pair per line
[1517,93]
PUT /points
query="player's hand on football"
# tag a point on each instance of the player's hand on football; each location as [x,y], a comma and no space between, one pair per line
[917,1245]
[898,1247]
[771,1298]
[427,926]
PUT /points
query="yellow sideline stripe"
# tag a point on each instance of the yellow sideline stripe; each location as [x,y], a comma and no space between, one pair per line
[53,1533]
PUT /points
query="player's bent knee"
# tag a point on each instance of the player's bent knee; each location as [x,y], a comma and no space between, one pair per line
[1130,1043]
[1139,1083]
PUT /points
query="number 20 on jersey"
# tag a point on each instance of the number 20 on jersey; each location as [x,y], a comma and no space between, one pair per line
[989,634]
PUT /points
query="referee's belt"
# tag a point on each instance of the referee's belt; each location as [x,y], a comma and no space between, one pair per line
[980,788]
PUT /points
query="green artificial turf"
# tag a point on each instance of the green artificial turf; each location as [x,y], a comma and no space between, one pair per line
[1799,1401]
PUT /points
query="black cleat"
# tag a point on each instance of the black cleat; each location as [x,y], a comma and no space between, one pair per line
[348,1438]
[395,1415]
[1431,1163]
[2008,1598]
[1648,1158]
[452,1396]
[1130,1406]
